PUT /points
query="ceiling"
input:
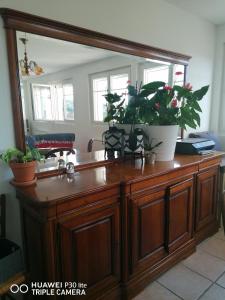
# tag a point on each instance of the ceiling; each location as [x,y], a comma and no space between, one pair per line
[212,10]
[55,55]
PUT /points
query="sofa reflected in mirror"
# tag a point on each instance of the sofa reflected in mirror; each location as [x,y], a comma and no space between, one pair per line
[50,144]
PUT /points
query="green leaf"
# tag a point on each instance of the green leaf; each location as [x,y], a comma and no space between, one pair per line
[191,124]
[199,94]
[178,88]
[195,105]
[153,85]
[196,117]
[121,104]
[151,88]
[132,90]
[111,98]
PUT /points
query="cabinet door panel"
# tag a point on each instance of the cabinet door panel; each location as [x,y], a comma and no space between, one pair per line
[206,198]
[147,230]
[180,212]
[89,248]
[93,244]
[152,227]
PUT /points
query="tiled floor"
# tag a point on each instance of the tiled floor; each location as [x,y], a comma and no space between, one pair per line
[200,276]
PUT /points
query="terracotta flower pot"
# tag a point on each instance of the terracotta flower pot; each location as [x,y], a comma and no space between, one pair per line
[23,172]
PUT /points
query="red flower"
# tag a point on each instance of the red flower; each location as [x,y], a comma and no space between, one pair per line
[157,106]
[179,73]
[174,103]
[167,88]
[188,86]
[128,81]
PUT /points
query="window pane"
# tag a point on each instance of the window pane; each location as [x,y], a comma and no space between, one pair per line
[53,102]
[68,99]
[68,108]
[118,81]
[100,87]
[42,103]
[178,75]
[118,84]
[100,84]
[68,89]
[100,108]
[58,105]
[156,74]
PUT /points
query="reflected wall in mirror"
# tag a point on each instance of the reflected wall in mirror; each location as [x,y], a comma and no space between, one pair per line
[67,99]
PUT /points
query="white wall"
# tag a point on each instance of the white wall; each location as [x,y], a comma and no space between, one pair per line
[7,140]
[217,121]
[152,22]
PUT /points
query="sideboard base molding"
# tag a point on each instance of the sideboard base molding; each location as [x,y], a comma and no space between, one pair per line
[206,232]
[138,283]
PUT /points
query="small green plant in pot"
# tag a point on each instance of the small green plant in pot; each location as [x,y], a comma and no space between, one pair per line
[150,155]
[125,117]
[122,115]
[23,164]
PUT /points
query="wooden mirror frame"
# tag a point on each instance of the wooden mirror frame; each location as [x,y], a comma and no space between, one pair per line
[19,21]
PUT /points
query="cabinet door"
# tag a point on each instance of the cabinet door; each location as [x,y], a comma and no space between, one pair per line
[180,214]
[147,230]
[206,198]
[89,249]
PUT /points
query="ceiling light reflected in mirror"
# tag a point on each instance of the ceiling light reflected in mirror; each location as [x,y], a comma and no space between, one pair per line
[28,67]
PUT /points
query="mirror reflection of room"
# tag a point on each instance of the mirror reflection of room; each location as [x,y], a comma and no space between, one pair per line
[63,86]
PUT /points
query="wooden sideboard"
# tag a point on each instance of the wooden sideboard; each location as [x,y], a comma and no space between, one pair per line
[117,227]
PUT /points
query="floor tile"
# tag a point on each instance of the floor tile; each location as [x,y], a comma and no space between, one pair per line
[214,247]
[215,292]
[220,235]
[205,264]
[156,292]
[184,283]
[221,280]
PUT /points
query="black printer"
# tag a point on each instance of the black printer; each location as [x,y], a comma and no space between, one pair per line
[194,146]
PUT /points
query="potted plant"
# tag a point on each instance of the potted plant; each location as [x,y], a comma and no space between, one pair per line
[124,133]
[125,121]
[124,116]
[23,164]
[164,109]
[150,155]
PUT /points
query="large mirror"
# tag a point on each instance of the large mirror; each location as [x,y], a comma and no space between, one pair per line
[60,73]
[63,89]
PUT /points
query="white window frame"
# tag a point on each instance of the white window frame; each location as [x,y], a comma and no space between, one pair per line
[148,65]
[52,86]
[107,74]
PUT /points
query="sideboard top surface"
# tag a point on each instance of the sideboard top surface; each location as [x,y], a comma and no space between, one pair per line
[48,191]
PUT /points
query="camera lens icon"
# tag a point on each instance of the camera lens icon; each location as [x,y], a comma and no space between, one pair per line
[15,288]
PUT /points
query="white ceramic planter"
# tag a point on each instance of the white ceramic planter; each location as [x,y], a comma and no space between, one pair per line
[167,135]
